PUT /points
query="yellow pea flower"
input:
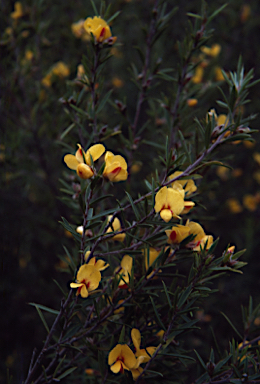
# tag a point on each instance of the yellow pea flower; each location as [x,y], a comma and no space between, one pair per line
[198,75]
[201,239]
[143,355]
[76,162]
[120,358]
[125,271]
[116,226]
[18,11]
[188,185]
[153,254]
[212,51]
[99,28]
[177,234]
[79,31]
[100,265]
[87,280]
[169,202]
[116,167]
[136,337]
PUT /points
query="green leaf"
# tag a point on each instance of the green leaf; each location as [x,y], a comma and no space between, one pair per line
[137,215]
[104,101]
[220,364]
[67,130]
[200,360]
[53,311]
[159,321]
[184,296]
[66,373]
[214,14]
[42,318]
[232,325]
[167,294]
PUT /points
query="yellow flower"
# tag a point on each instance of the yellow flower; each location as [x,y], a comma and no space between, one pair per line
[213,51]
[60,69]
[18,11]
[201,239]
[100,265]
[177,233]
[125,271]
[234,205]
[218,74]
[188,185]
[192,102]
[169,202]
[121,357]
[99,28]
[87,280]
[84,171]
[198,75]
[117,82]
[143,355]
[256,157]
[116,167]
[79,31]
[245,13]
[116,226]
[250,202]
[153,254]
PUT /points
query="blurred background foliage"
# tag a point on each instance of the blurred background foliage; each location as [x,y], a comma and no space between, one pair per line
[37,35]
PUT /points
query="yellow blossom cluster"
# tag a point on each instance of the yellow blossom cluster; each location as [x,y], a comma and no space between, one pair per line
[82,162]
[208,53]
[170,203]
[59,70]
[96,26]
[121,357]
[89,276]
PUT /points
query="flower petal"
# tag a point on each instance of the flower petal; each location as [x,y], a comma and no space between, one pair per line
[71,162]
[160,199]
[127,263]
[136,337]
[166,215]
[79,154]
[116,367]
[96,151]
[114,354]
[84,171]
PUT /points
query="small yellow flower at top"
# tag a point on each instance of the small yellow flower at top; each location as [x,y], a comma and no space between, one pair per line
[117,82]
[116,167]
[213,51]
[81,162]
[120,358]
[100,265]
[177,234]
[125,270]
[169,202]
[116,226]
[87,280]
[99,28]
[18,11]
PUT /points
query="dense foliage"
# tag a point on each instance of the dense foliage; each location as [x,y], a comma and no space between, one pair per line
[130,191]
